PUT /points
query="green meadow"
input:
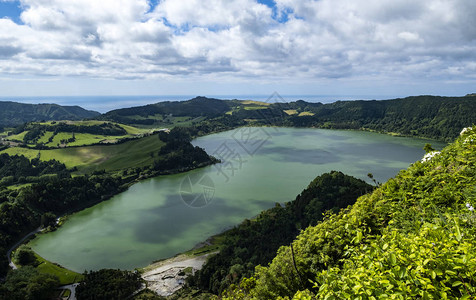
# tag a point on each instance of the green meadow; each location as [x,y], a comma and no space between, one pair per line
[135,153]
[65,276]
[81,139]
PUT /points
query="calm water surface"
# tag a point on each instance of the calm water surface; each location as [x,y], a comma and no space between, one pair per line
[162,216]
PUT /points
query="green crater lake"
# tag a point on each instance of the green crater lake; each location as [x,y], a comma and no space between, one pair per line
[160,217]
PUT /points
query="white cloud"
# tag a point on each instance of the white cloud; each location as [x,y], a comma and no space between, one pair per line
[241,38]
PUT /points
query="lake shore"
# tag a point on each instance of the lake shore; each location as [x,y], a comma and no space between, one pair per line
[168,276]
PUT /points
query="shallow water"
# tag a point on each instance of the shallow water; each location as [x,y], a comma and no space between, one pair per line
[160,217]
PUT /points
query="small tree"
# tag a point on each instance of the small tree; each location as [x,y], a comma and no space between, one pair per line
[371,176]
[428,148]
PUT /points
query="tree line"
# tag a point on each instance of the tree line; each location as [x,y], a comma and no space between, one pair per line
[36,131]
[19,169]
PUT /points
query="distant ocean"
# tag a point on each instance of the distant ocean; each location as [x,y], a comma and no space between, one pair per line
[104,104]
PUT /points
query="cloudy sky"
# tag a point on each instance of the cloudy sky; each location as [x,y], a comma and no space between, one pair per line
[237,47]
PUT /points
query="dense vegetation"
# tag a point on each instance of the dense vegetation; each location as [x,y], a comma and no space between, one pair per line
[19,169]
[28,283]
[24,256]
[14,114]
[178,153]
[412,238]
[244,246]
[108,284]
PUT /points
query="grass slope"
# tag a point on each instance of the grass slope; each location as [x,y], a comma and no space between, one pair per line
[81,139]
[65,276]
[134,153]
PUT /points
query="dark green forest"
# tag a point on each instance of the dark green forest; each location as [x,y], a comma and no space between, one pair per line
[244,246]
[28,283]
[108,284]
[434,117]
[19,169]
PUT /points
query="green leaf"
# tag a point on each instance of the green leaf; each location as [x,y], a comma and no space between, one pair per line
[457,283]
[458,231]
[393,258]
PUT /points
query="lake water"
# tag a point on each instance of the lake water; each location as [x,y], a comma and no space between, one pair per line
[160,217]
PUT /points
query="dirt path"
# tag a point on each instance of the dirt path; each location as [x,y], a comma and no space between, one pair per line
[168,276]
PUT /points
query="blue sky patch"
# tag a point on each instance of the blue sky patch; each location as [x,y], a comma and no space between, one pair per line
[269,3]
[153,4]
[11,10]
[282,16]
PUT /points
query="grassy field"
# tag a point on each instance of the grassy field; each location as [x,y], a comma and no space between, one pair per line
[83,139]
[306,113]
[254,107]
[134,153]
[45,137]
[65,276]
[248,102]
[17,137]
[291,112]
[58,137]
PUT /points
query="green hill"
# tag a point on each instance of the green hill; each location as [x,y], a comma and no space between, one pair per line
[432,117]
[14,113]
[429,116]
[61,134]
[169,113]
[414,237]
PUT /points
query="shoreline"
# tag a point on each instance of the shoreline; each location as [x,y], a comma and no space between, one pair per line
[168,276]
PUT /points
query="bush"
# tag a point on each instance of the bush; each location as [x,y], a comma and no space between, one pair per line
[25,256]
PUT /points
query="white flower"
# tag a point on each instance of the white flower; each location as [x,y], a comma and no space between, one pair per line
[468,141]
[429,156]
[465,130]
[469,206]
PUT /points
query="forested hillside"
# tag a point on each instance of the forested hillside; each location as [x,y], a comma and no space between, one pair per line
[243,246]
[428,116]
[14,114]
[165,113]
[414,237]
[433,117]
